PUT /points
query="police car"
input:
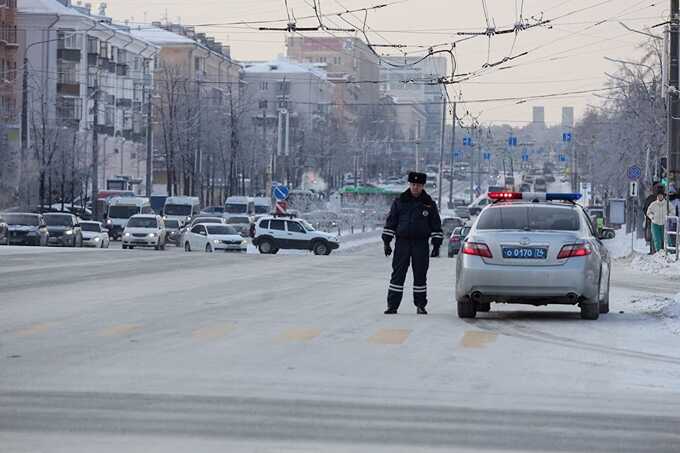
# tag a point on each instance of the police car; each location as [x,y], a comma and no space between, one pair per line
[536,249]
[279,232]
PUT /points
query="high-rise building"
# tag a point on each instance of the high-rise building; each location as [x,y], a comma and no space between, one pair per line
[8,60]
[539,115]
[568,116]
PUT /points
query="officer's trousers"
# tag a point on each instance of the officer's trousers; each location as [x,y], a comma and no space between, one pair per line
[415,252]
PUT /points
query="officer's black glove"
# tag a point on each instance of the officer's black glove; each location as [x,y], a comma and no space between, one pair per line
[388,249]
[435,252]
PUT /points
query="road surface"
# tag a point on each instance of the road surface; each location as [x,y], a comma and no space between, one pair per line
[165,351]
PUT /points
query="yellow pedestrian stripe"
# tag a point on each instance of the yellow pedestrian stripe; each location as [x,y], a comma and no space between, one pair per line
[477,339]
[213,332]
[34,330]
[119,330]
[390,336]
[299,334]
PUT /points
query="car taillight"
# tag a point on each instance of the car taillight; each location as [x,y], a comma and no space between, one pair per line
[574,250]
[454,239]
[477,249]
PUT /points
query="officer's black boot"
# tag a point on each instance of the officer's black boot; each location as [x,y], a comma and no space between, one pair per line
[421,311]
[391,311]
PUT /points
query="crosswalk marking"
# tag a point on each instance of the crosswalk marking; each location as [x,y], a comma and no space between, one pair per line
[119,330]
[299,334]
[34,330]
[390,336]
[213,332]
[477,339]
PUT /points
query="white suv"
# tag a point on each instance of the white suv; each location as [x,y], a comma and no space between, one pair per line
[145,230]
[277,232]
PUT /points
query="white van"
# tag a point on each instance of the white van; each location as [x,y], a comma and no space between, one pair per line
[182,209]
[263,205]
[119,211]
[242,206]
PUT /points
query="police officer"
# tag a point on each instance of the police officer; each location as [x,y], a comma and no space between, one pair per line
[413,220]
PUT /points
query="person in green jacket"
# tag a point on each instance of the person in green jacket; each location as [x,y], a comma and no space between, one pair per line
[657,213]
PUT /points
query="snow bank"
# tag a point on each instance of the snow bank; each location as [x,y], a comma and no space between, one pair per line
[620,246]
[656,264]
[664,308]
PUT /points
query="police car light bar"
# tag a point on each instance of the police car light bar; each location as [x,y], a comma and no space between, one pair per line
[530,196]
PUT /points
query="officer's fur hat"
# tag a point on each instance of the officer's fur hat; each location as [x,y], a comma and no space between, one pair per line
[417,178]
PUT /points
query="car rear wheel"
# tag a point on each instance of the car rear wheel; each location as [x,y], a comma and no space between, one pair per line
[131,247]
[266,247]
[208,248]
[466,309]
[321,248]
[590,310]
[124,246]
[604,302]
[187,247]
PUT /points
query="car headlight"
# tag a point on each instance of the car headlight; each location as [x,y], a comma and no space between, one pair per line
[216,241]
[97,239]
[68,232]
[109,221]
[152,235]
[127,235]
[188,219]
[244,242]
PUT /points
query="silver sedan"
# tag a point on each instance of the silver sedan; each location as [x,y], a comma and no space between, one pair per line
[533,251]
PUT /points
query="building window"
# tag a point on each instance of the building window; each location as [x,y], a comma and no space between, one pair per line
[69,39]
[68,72]
[69,108]
[263,105]
[110,116]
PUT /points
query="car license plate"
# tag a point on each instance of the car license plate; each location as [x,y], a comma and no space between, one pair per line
[527,253]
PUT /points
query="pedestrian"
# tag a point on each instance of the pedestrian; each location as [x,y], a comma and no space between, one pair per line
[648,225]
[657,213]
[414,221]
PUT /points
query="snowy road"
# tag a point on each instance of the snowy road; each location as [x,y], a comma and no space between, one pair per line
[150,351]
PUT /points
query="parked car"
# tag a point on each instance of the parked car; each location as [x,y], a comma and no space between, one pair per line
[212,237]
[273,233]
[64,230]
[94,235]
[451,223]
[241,223]
[525,187]
[540,185]
[479,204]
[457,237]
[145,230]
[26,229]
[4,232]
[463,213]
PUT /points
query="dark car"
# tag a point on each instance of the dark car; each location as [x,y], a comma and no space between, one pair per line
[456,239]
[525,187]
[463,213]
[26,229]
[64,230]
[451,223]
[4,232]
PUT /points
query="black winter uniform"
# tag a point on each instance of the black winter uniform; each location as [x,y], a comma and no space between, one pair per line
[413,221]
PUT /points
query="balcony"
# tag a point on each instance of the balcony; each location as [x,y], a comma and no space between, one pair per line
[68,89]
[8,35]
[72,55]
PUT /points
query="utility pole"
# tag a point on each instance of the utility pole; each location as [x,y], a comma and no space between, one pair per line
[441,152]
[453,146]
[472,169]
[24,129]
[418,147]
[95,149]
[149,145]
[673,98]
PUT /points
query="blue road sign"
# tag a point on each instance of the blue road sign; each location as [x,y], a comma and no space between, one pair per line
[512,141]
[566,137]
[634,172]
[563,158]
[487,156]
[280,192]
[456,155]
[525,157]
[467,141]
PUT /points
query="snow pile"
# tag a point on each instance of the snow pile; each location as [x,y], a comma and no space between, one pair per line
[659,263]
[664,308]
[620,246]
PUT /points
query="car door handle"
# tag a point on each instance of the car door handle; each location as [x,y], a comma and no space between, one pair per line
[290,234]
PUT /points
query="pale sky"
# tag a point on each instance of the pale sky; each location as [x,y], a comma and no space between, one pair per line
[567,57]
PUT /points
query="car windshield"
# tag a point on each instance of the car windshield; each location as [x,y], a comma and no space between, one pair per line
[238,220]
[58,220]
[221,229]
[177,209]
[529,218]
[122,212]
[261,209]
[21,219]
[93,227]
[307,225]
[207,220]
[142,222]
[172,223]
[235,208]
